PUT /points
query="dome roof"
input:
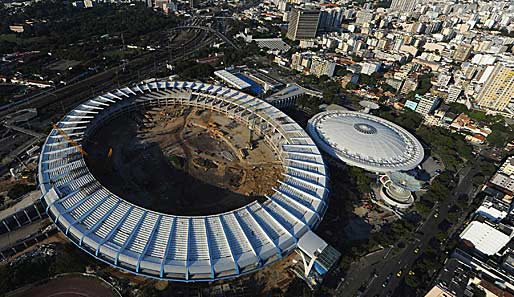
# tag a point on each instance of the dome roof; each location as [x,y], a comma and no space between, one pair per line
[366,141]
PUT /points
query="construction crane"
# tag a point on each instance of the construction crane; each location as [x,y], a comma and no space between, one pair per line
[68,138]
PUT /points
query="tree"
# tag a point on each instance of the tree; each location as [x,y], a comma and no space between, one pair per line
[357,59]
[330,89]
[149,290]
[422,208]
[367,80]
[195,71]
[412,281]
[478,292]
[478,116]
[425,83]
[451,147]
[352,86]
[19,190]
[341,71]
[457,108]
[440,236]
[408,119]
[501,134]
[388,88]
[361,179]
[384,3]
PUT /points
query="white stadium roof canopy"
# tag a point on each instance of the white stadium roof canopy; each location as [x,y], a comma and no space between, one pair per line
[365,141]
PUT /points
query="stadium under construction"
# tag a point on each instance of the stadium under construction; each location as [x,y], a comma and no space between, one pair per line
[189,248]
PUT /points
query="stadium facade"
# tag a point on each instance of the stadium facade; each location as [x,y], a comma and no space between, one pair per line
[185,248]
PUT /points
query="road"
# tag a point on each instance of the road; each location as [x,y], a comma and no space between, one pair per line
[26,131]
[220,35]
[10,239]
[408,256]
[380,278]
[27,200]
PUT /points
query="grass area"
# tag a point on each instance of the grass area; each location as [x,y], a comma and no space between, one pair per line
[19,40]
[9,38]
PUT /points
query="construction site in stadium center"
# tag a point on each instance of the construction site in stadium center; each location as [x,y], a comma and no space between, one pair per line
[183,160]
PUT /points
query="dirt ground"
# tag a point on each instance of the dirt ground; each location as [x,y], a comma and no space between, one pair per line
[182,161]
[70,287]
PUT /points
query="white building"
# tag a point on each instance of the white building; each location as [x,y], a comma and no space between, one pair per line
[370,67]
[365,141]
[508,166]
[454,93]
[503,182]
[320,67]
[493,209]
[232,80]
[485,238]
[427,104]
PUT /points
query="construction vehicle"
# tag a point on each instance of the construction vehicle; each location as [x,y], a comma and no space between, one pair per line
[214,130]
[249,145]
[243,152]
[68,138]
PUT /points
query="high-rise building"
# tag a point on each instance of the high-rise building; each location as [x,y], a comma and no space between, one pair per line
[498,91]
[403,5]
[427,103]
[296,61]
[283,6]
[370,67]
[309,63]
[320,67]
[330,19]
[454,93]
[364,18]
[303,24]
[409,85]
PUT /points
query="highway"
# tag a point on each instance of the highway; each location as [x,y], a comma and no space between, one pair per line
[26,131]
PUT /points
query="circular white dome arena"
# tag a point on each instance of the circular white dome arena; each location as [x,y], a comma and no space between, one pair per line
[365,141]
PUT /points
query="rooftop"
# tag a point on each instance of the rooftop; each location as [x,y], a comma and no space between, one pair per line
[485,238]
[366,141]
[273,44]
[182,248]
[232,80]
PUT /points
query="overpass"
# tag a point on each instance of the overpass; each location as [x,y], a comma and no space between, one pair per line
[25,131]
[217,33]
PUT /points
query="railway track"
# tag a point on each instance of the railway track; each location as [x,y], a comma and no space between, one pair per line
[123,78]
[56,103]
